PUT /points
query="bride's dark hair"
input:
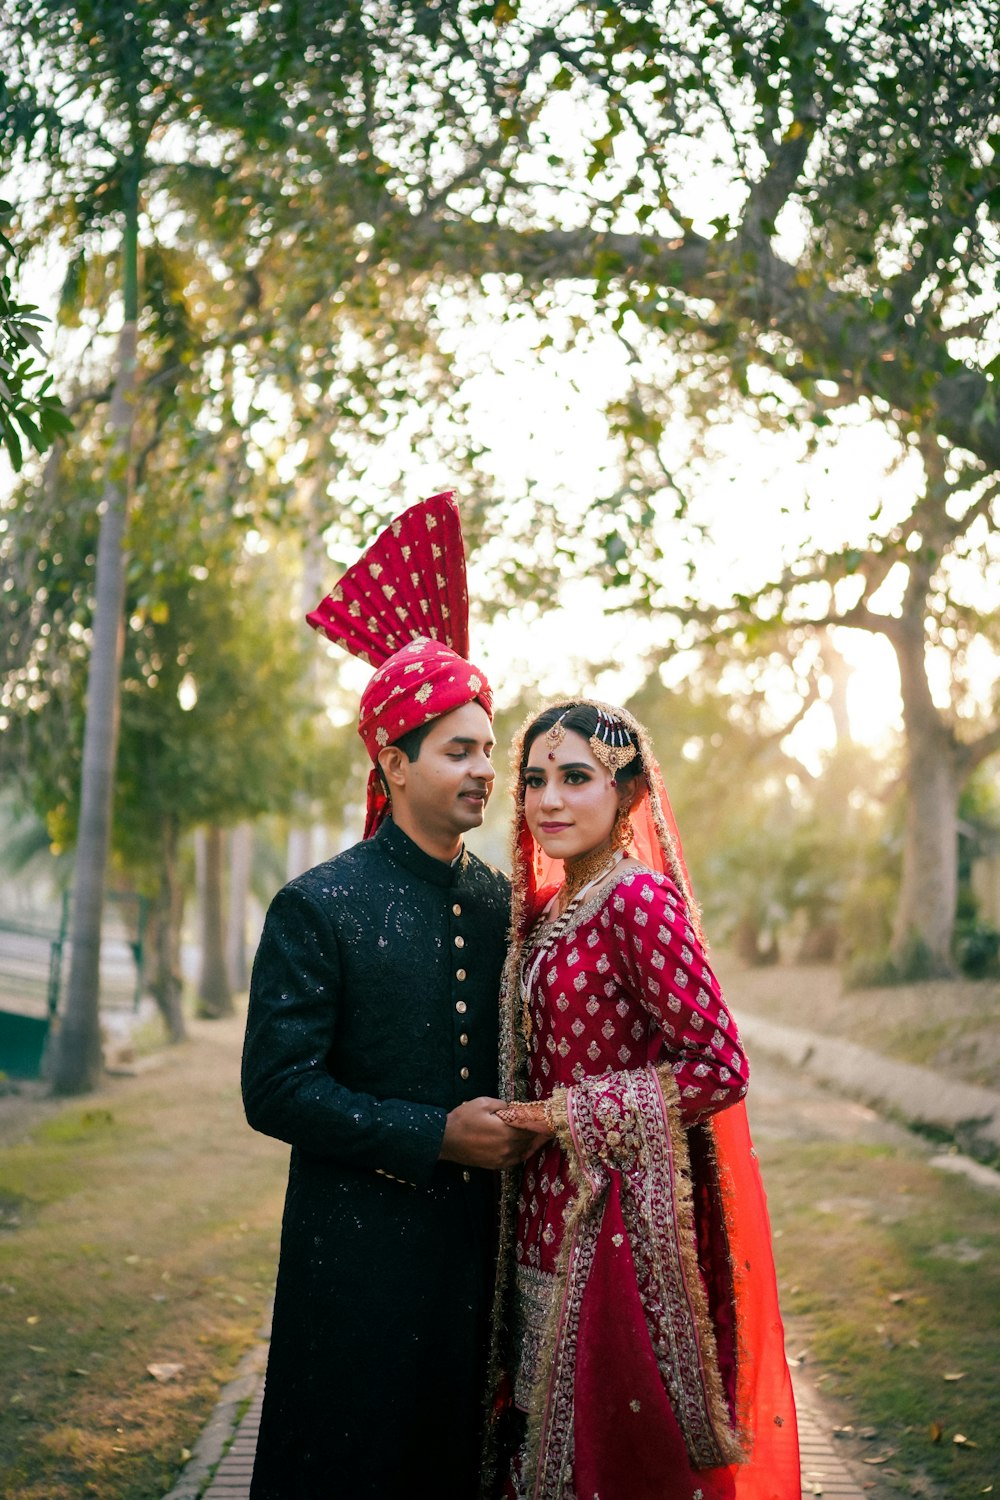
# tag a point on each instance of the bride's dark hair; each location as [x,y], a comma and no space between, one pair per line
[583,719]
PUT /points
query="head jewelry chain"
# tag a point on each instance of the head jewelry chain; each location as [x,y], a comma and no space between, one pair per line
[610,743]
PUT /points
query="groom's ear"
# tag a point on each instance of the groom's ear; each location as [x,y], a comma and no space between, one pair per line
[391,761]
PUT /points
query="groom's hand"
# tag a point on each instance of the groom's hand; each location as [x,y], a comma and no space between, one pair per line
[475,1136]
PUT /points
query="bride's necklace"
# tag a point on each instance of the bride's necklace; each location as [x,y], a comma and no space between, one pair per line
[581,875]
[585,870]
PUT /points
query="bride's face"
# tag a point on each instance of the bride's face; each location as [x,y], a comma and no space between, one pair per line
[570,799]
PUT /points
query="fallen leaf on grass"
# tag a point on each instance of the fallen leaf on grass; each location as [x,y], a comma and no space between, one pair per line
[33,1319]
[964,1442]
[163,1373]
[880,1458]
[937,1432]
[954,1375]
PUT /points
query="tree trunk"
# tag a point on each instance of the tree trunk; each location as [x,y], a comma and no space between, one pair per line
[240,858]
[167,985]
[77,1056]
[215,997]
[925,916]
[299,851]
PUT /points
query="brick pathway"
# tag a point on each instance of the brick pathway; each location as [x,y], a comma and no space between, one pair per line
[823,1473]
[232,1477]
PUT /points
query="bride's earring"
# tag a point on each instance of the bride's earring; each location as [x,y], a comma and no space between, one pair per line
[622,832]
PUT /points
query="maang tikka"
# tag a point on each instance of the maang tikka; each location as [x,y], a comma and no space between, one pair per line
[611,742]
[555,736]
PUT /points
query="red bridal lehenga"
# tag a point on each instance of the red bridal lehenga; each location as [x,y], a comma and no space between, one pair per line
[637,1326]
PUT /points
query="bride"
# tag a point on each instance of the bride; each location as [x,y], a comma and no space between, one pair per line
[637,1345]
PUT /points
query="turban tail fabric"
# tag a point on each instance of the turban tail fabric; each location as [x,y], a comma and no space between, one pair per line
[404,608]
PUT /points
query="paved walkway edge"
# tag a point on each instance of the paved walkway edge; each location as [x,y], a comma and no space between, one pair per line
[921,1095]
[221,1426]
[216,1475]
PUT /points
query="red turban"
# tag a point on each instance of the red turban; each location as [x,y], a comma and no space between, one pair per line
[404,607]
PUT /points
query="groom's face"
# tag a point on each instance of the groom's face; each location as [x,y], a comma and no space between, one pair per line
[447,787]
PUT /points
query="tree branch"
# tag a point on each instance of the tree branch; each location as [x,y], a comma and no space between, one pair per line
[832,327]
[977,751]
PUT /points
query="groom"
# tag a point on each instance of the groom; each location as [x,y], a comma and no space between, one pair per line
[371,1048]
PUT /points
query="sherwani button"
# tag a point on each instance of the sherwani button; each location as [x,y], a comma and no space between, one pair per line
[466,1175]
[460,941]
[464,1039]
[463,1072]
[459,973]
[456,910]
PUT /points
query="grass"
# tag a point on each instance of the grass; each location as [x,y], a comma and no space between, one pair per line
[137,1228]
[890,1276]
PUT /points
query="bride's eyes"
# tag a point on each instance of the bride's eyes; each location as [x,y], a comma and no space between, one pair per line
[534,781]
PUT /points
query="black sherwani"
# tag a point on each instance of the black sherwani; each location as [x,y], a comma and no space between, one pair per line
[373,1011]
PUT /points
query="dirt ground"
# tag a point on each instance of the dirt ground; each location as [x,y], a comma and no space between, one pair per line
[952,1025]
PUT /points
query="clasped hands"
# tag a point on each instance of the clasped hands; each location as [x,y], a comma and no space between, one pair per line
[490,1133]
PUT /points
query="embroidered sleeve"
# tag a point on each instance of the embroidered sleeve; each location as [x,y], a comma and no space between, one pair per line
[668,972]
[288,1089]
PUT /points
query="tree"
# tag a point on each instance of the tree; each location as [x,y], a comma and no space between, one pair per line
[28,406]
[92,91]
[847,154]
[217,724]
[773,848]
[800,199]
[945,745]
[797,199]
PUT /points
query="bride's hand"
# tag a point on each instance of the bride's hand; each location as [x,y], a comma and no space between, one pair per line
[524,1116]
